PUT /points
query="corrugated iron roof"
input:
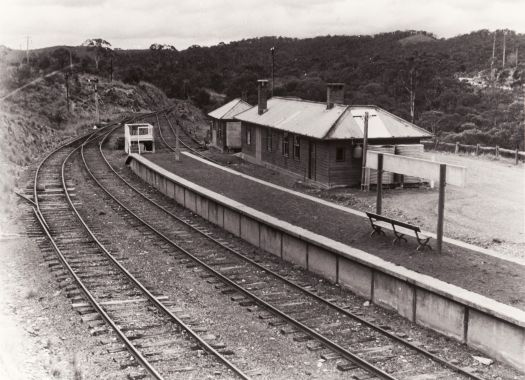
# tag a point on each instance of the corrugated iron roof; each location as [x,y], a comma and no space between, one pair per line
[296,116]
[313,119]
[381,124]
[230,109]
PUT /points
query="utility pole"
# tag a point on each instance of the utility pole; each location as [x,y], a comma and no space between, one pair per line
[96,101]
[186,92]
[67,91]
[517,52]
[493,57]
[504,46]
[27,50]
[272,50]
[177,143]
[364,185]
[441,205]
[412,96]
[111,69]
[95,82]
[493,75]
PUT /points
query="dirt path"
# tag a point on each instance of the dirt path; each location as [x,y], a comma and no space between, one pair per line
[489,211]
[41,337]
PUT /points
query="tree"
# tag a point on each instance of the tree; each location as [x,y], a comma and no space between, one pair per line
[61,57]
[156,46]
[99,46]
[431,120]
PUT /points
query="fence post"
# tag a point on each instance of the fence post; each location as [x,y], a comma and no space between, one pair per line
[497,151]
[517,156]
[441,205]
[457,148]
[477,149]
[436,146]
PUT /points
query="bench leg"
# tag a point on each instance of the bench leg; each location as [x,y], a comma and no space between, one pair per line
[398,238]
[423,243]
[377,230]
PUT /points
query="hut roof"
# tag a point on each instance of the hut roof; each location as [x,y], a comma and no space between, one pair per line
[230,109]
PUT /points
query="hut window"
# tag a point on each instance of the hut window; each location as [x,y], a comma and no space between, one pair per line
[269,140]
[296,147]
[286,146]
[249,135]
[340,154]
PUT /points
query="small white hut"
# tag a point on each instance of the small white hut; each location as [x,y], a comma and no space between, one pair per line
[138,138]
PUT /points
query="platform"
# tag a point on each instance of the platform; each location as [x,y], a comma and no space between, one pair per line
[336,244]
[458,265]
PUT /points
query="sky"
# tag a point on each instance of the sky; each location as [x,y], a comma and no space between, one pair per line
[131,24]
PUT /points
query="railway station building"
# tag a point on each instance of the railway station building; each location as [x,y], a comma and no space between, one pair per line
[225,131]
[319,142]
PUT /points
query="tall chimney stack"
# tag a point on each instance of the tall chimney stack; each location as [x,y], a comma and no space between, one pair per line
[335,94]
[262,85]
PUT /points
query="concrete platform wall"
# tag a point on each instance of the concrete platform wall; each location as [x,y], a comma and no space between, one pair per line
[494,328]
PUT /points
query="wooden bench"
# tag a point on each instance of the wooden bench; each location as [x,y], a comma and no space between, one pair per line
[400,229]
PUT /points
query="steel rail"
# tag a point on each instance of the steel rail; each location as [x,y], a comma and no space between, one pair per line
[41,219]
[69,142]
[183,130]
[297,286]
[186,145]
[207,347]
[131,348]
[162,136]
[329,343]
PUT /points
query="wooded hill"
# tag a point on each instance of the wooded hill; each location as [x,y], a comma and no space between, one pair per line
[444,85]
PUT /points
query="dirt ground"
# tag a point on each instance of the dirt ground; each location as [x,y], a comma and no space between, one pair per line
[489,211]
[41,337]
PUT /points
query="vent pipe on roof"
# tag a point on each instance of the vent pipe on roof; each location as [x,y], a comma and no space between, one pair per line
[335,94]
[262,85]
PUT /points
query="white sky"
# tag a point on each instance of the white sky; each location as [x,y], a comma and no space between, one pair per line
[137,24]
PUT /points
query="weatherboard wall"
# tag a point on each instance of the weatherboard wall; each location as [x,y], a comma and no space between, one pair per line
[485,324]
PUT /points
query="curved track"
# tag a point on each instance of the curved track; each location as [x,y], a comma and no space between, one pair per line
[173,134]
[107,295]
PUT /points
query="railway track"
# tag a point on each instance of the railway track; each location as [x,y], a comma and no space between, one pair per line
[168,135]
[110,298]
[359,346]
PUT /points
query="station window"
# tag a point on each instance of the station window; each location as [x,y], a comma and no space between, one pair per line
[286,145]
[340,154]
[296,147]
[249,135]
[269,140]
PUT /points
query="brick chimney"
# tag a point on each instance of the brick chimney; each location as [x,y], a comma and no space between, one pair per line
[262,84]
[335,94]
